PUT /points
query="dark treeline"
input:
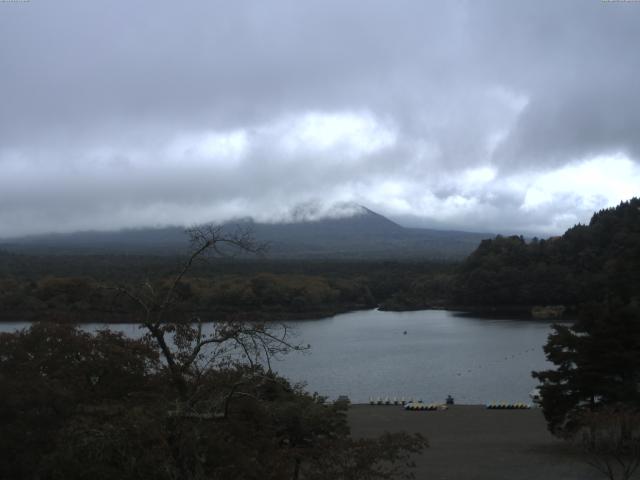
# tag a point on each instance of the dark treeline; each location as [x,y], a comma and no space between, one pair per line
[77,288]
[595,262]
[114,267]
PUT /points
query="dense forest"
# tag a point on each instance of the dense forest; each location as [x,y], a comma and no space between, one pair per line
[591,262]
[80,287]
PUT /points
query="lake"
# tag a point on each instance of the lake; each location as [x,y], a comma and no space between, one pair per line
[366,354]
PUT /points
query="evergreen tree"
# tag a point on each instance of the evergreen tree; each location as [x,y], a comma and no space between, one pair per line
[588,263]
[597,364]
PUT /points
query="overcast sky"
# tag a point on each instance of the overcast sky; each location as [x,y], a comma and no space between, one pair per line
[503,116]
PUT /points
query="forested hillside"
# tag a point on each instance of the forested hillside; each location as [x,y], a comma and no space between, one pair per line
[76,287]
[591,262]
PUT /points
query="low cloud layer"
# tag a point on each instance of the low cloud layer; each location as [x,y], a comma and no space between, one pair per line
[496,116]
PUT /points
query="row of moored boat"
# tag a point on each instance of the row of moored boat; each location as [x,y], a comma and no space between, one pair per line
[508,406]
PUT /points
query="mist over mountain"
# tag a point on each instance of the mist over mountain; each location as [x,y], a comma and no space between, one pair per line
[348,231]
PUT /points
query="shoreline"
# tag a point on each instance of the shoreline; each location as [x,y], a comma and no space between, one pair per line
[495,313]
[128,317]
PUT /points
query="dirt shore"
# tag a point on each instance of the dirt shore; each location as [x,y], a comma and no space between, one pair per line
[469,442]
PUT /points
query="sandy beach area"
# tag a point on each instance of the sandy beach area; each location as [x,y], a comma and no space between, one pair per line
[469,442]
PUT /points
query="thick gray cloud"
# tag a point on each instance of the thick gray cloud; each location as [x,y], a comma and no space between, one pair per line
[462,114]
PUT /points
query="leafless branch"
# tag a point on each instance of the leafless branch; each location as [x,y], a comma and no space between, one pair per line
[187,346]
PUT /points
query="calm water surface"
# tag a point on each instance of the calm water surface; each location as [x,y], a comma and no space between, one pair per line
[367,354]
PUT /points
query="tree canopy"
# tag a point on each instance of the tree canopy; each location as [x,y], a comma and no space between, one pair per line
[588,263]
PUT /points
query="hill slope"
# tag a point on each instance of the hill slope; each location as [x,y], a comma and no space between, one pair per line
[366,234]
[588,263]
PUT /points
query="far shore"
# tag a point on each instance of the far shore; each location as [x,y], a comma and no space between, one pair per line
[110,317]
[269,315]
[470,442]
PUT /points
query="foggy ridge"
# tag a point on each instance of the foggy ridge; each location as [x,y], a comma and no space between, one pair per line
[365,234]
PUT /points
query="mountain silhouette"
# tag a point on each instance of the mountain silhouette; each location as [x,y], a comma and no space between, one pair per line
[364,234]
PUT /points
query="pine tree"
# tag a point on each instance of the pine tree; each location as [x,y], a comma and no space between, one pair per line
[597,364]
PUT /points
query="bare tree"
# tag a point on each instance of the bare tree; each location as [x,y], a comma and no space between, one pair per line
[186,347]
[610,440]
